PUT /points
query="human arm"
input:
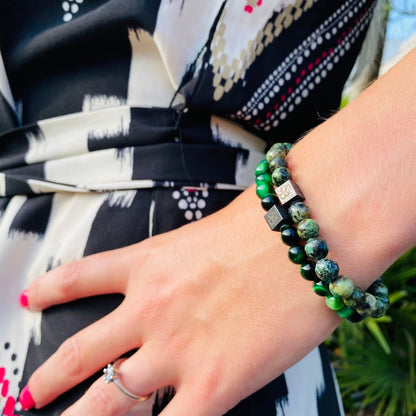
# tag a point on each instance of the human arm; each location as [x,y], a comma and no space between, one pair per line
[252,316]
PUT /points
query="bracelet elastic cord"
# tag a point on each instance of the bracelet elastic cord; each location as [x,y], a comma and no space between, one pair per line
[288,214]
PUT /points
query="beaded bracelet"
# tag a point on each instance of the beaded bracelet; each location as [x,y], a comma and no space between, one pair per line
[286,212]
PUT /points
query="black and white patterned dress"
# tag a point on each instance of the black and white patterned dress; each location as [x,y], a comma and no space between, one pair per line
[122,119]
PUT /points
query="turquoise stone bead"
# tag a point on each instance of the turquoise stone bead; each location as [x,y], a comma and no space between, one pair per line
[264,177]
[385,300]
[345,312]
[378,289]
[262,167]
[288,146]
[335,303]
[308,228]
[369,305]
[307,271]
[278,150]
[277,162]
[280,176]
[263,188]
[316,248]
[327,270]
[289,235]
[380,309]
[297,255]
[268,201]
[356,299]
[321,289]
[298,211]
[343,287]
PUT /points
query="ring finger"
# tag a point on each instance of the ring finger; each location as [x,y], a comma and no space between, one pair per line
[82,355]
[140,375]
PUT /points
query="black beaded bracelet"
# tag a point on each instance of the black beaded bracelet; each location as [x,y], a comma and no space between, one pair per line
[287,213]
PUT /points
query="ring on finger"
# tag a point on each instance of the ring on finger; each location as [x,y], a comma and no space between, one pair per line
[112,375]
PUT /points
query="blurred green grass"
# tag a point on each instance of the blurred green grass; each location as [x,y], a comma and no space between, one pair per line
[375,359]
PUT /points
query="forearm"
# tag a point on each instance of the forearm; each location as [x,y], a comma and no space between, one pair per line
[357,171]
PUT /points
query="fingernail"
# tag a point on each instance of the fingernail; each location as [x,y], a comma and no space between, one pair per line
[23,300]
[26,399]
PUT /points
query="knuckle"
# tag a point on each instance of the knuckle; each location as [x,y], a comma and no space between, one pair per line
[211,382]
[70,358]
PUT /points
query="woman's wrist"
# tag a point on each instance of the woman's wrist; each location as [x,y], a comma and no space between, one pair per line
[356,171]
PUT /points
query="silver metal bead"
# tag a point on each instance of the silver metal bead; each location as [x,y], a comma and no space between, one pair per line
[276,216]
[289,192]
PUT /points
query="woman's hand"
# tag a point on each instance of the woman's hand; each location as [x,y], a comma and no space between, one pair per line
[215,309]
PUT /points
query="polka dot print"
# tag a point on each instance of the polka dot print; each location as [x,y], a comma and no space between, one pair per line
[70,8]
[251,4]
[10,403]
[192,202]
[299,75]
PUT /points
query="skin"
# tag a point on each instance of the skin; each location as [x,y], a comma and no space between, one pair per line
[225,304]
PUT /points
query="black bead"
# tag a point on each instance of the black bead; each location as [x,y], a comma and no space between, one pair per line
[307,271]
[355,318]
[268,201]
[289,235]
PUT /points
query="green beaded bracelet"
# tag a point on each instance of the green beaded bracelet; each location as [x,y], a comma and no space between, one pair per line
[287,213]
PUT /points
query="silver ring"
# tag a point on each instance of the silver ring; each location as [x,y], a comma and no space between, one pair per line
[112,375]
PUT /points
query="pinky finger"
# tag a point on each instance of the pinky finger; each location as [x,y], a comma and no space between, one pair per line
[192,402]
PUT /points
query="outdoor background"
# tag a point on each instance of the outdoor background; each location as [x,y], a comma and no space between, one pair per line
[375,360]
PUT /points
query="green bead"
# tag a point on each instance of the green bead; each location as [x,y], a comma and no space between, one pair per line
[264,177]
[345,312]
[297,255]
[262,167]
[276,163]
[289,235]
[268,201]
[280,176]
[335,303]
[278,150]
[308,228]
[356,299]
[263,188]
[369,305]
[327,270]
[298,211]
[321,289]
[307,271]
[342,286]
[316,248]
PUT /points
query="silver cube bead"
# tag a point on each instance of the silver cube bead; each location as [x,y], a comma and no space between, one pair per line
[289,192]
[276,216]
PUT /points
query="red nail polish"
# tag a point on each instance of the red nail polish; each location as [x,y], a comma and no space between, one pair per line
[23,300]
[26,399]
